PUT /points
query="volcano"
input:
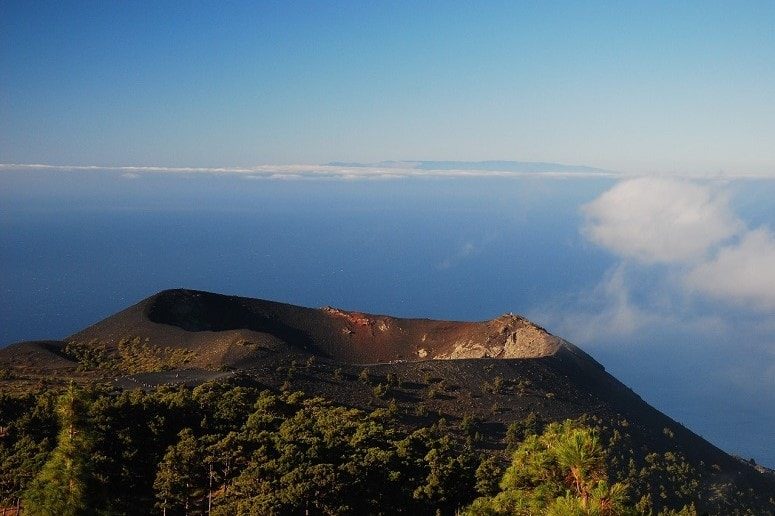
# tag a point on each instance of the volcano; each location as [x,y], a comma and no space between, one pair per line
[499,370]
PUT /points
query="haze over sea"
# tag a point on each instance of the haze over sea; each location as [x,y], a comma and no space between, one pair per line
[567,250]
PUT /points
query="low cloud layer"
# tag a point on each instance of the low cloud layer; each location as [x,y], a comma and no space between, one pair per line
[744,272]
[691,228]
[658,220]
[344,171]
[391,170]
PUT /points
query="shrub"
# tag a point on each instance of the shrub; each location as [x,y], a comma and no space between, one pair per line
[380,390]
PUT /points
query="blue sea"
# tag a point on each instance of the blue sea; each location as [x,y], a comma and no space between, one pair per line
[76,247]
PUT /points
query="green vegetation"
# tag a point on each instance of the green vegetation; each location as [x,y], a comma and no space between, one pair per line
[62,486]
[132,355]
[238,448]
[269,453]
[560,472]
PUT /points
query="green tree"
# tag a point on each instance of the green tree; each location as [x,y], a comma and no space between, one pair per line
[63,485]
[180,476]
[519,430]
[560,473]
[488,476]
[29,429]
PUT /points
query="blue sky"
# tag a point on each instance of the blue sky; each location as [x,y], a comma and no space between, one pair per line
[634,86]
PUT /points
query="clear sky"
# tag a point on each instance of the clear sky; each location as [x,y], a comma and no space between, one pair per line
[634,86]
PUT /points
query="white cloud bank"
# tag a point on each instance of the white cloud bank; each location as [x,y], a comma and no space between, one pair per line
[609,313]
[391,170]
[744,272]
[691,227]
[346,172]
[658,220]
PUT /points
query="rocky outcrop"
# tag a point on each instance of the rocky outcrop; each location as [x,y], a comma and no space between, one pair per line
[510,336]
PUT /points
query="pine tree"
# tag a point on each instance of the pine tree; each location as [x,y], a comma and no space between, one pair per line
[62,486]
[558,473]
[180,476]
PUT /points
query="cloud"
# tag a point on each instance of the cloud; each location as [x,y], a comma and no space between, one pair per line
[616,309]
[617,315]
[602,313]
[461,254]
[659,220]
[743,273]
[689,227]
[392,170]
[342,171]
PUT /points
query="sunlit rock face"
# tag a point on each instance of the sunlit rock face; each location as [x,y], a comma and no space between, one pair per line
[510,336]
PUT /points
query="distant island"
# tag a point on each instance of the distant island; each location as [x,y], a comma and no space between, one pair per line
[522,167]
[192,402]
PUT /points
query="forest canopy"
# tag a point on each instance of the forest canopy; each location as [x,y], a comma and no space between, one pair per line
[231,447]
